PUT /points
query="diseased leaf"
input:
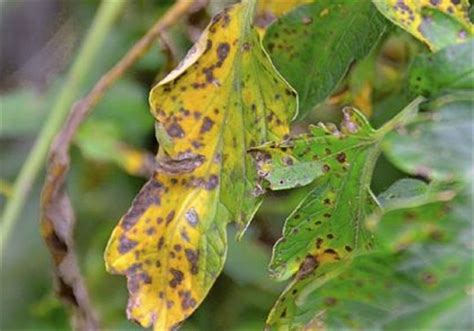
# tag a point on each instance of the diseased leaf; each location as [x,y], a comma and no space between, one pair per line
[437,23]
[224,98]
[450,69]
[427,283]
[269,10]
[314,45]
[326,225]
[437,144]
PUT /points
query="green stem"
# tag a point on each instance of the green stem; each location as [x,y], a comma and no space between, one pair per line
[402,118]
[103,21]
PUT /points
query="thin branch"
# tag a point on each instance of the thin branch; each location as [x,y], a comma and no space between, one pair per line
[102,24]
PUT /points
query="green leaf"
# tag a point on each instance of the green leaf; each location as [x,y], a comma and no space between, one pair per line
[409,192]
[314,45]
[437,144]
[326,226]
[450,69]
[427,284]
[437,23]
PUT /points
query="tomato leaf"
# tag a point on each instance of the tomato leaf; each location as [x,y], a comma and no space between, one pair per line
[326,225]
[429,273]
[437,23]
[224,98]
[314,45]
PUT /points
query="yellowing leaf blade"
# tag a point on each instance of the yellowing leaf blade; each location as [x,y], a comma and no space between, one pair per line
[223,99]
[437,23]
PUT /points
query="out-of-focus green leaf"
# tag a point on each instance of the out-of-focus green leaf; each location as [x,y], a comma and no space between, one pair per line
[450,69]
[427,284]
[438,144]
[124,107]
[120,119]
[255,257]
[314,45]
[409,192]
[20,114]
[438,23]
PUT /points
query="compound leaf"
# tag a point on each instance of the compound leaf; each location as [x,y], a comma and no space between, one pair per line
[421,276]
[326,225]
[314,45]
[224,98]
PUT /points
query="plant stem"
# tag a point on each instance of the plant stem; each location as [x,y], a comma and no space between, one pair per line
[402,118]
[103,21]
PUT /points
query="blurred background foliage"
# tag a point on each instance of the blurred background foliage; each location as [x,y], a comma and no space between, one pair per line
[39,40]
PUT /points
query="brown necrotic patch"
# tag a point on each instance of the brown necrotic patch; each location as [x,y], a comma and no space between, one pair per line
[187,301]
[148,196]
[309,264]
[161,242]
[126,244]
[341,157]
[185,163]
[222,52]
[192,217]
[175,130]
[178,277]
[207,125]
[170,217]
[193,258]
[212,182]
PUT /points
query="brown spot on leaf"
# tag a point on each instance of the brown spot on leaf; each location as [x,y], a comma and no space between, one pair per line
[193,257]
[161,242]
[170,217]
[330,301]
[309,264]
[178,277]
[184,235]
[341,157]
[207,124]
[149,195]
[429,279]
[212,182]
[175,130]
[319,242]
[222,52]
[187,301]
[126,244]
[192,217]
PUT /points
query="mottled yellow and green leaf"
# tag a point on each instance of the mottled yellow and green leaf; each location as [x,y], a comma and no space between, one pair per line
[224,98]
[437,23]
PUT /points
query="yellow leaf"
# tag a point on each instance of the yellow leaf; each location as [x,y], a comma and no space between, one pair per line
[270,10]
[414,16]
[224,98]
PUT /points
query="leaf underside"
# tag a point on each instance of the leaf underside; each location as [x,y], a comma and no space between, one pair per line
[224,98]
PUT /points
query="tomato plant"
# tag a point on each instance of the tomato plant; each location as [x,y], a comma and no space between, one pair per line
[304,104]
